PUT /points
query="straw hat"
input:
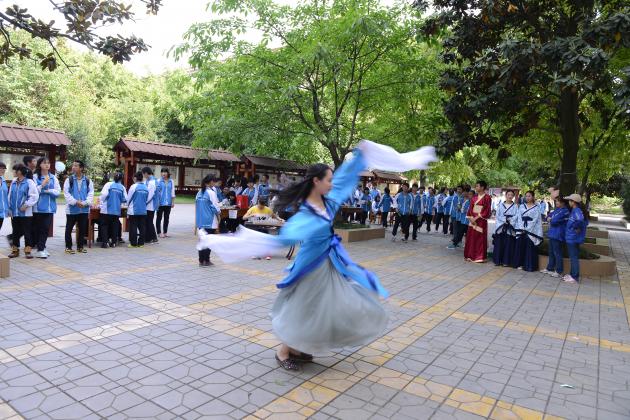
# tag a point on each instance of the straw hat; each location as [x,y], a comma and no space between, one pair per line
[574,197]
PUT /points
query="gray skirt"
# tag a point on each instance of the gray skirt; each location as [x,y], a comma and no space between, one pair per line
[324,311]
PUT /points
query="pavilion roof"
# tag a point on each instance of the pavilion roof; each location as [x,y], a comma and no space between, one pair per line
[174,150]
[30,135]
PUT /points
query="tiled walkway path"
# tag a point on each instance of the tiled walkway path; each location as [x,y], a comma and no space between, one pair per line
[147,333]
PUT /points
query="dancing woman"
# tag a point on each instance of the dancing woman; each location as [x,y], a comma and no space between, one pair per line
[327,301]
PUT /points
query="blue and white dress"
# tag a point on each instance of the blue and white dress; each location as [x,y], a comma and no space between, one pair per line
[504,237]
[327,301]
[529,235]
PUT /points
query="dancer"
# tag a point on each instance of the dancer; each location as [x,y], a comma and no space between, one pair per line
[49,189]
[504,233]
[476,247]
[327,301]
[207,214]
[528,234]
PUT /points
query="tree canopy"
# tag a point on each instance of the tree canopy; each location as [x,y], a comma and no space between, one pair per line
[343,70]
[518,66]
[84,19]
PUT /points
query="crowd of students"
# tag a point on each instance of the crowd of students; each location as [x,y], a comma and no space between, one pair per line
[31,201]
[464,211]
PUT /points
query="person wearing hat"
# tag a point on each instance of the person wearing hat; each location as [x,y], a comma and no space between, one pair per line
[574,235]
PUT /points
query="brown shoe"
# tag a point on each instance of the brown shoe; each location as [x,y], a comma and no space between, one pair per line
[15,252]
[27,253]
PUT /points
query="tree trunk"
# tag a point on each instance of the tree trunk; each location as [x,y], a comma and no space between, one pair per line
[570,131]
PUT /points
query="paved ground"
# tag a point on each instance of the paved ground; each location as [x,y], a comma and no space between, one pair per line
[147,333]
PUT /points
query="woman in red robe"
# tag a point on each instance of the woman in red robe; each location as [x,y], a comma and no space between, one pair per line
[476,248]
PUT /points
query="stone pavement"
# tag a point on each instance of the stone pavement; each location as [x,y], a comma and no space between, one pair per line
[130,333]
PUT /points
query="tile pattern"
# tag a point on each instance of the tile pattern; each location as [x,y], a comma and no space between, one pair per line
[147,333]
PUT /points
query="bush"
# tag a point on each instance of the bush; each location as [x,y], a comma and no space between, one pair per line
[625,194]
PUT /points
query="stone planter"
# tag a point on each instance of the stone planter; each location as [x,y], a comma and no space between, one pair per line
[596,233]
[602,267]
[625,223]
[360,234]
[600,246]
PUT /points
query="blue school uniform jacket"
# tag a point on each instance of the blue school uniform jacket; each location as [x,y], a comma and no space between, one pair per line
[166,192]
[47,202]
[386,203]
[366,206]
[154,193]
[462,214]
[112,197]
[4,199]
[455,203]
[252,195]
[404,203]
[448,203]
[428,201]
[22,194]
[558,224]
[206,212]
[416,204]
[82,190]
[439,203]
[576,227]
[138,196]
[263,190]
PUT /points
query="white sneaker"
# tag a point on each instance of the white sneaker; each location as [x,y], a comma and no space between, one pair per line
[569,279]
[554,274]
[393,239]
[41,254]
[46,252]
[545,271]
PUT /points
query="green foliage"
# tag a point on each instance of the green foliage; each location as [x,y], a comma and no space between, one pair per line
[83,19]
[96,104]
[345,70]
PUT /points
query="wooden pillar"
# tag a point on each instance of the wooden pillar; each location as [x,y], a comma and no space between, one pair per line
[181,176]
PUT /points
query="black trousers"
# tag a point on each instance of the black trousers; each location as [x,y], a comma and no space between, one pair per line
[363,217]
[42,223]
[137,229]
[110,228]
[384,216]
[204,254]
[82,220]
[437,220]
[22,226]
[427,218]
[445,223]
[166,212]
[413,222]
[460,229]
[150,234]
[403,222]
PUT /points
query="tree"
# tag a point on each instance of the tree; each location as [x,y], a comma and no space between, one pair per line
[84,19]
[344,69]
[515,62]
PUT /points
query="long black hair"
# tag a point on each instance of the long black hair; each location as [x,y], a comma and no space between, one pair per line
[206,180]
[293,196]
[38,168]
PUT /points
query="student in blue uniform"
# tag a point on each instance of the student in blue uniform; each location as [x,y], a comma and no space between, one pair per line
[207,213]
[403,212]
[557,227]
[448,203]
[263,188]
[153,202]
[416,211]
[528,234]
[504,237]
[385,206]
[462,223]
[428,204]
[137,198]
[439,208]
[366,205]
[22,197]
[456,206]
[49,189]
[112,197]
[251,192]
[166,202]
[79,193]
[4,195]
[574,235]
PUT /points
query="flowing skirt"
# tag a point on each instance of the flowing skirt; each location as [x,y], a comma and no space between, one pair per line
[525,254]
[323,311]
[476,247]
[503,249]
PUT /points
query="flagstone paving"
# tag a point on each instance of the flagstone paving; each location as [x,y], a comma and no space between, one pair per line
[130,333]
